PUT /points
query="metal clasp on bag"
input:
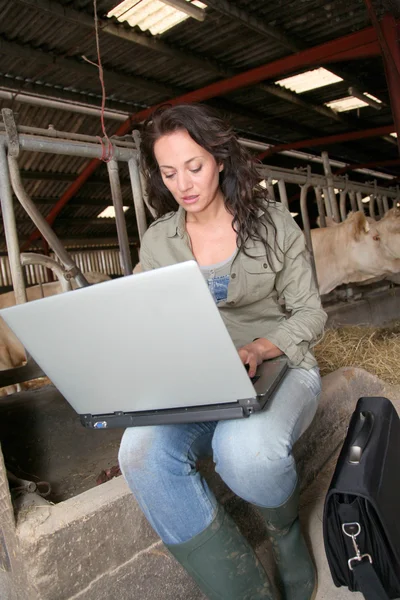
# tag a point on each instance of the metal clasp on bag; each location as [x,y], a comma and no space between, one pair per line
[353,530]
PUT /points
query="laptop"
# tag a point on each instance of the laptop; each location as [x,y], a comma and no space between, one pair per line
[144,349]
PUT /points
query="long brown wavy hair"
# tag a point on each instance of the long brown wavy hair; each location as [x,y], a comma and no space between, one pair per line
[239,179]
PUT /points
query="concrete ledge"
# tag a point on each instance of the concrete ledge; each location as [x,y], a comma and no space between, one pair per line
[69,545]
[376,308]
[98,545]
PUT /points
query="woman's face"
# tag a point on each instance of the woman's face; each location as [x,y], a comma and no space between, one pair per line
[189,172]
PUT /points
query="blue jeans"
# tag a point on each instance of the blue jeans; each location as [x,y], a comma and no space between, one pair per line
[253,456]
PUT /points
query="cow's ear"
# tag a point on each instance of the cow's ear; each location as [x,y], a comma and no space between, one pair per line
[360,225]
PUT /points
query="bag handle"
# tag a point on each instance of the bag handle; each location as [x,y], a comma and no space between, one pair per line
[357,448]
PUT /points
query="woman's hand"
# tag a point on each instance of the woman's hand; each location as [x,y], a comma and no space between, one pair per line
[256,352]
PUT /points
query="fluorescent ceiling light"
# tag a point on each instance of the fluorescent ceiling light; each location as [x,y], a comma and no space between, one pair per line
[311,80]
[345,104]
[374,98]
[350,103]
[394,134]
[366,199]
[109,212]
[150,15]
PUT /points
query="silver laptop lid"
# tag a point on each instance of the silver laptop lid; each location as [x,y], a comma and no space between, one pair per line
[148,341]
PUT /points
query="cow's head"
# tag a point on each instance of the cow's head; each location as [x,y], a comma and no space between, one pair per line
[372,245]
[389,231]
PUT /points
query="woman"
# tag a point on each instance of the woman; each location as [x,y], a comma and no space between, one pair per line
[205,191]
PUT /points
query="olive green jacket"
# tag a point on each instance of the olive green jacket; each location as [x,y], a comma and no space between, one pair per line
[251,309]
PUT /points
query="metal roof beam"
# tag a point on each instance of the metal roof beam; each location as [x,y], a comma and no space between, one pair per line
[330,139]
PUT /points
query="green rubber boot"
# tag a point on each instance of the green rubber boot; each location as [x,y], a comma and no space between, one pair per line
[222,562]
[291,554]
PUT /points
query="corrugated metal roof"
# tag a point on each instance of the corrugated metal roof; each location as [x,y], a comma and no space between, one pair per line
[42,52]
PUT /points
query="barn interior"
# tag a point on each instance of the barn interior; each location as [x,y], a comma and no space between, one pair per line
[312,89]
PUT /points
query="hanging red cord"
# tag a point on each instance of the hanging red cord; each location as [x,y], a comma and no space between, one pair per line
[107,152]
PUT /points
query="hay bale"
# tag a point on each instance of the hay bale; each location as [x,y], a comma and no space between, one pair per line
[375,349]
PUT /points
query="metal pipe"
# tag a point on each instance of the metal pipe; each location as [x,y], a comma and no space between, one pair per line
[282,192]
[31,258]
[328,207]
[112,168]
[329,180]
[10,230]
[360,203]
[51,132]
[379,202]
[270,189]
[353,203]
[306,226]
[385,204]
[343,213]
[320,205]
[65,147]
[137,197]
[330,139]
[191,10]
[372,213]
[61,105]
[41,223]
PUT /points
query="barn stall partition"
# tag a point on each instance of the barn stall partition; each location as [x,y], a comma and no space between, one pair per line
[62,264]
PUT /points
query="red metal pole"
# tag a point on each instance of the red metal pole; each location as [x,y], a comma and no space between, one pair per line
[369,165]
[391,60]
[330,139]
[343,48]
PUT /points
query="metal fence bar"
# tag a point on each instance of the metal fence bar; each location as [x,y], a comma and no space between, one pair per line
[282,192]
[379,202]
[360,203]
[320,205]
[385,204]
[41,223]
[10,229]
[306,226]
[353,203]
[137,194]
[372,206]
[70,148]
[301,177]
[342,205]
[112,167]
[331,192]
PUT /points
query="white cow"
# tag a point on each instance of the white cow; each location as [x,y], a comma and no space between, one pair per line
[357,250]
[12,353]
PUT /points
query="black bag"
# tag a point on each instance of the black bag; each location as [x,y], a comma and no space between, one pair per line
[362,508]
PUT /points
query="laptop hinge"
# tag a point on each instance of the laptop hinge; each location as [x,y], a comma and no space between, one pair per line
[249,405]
